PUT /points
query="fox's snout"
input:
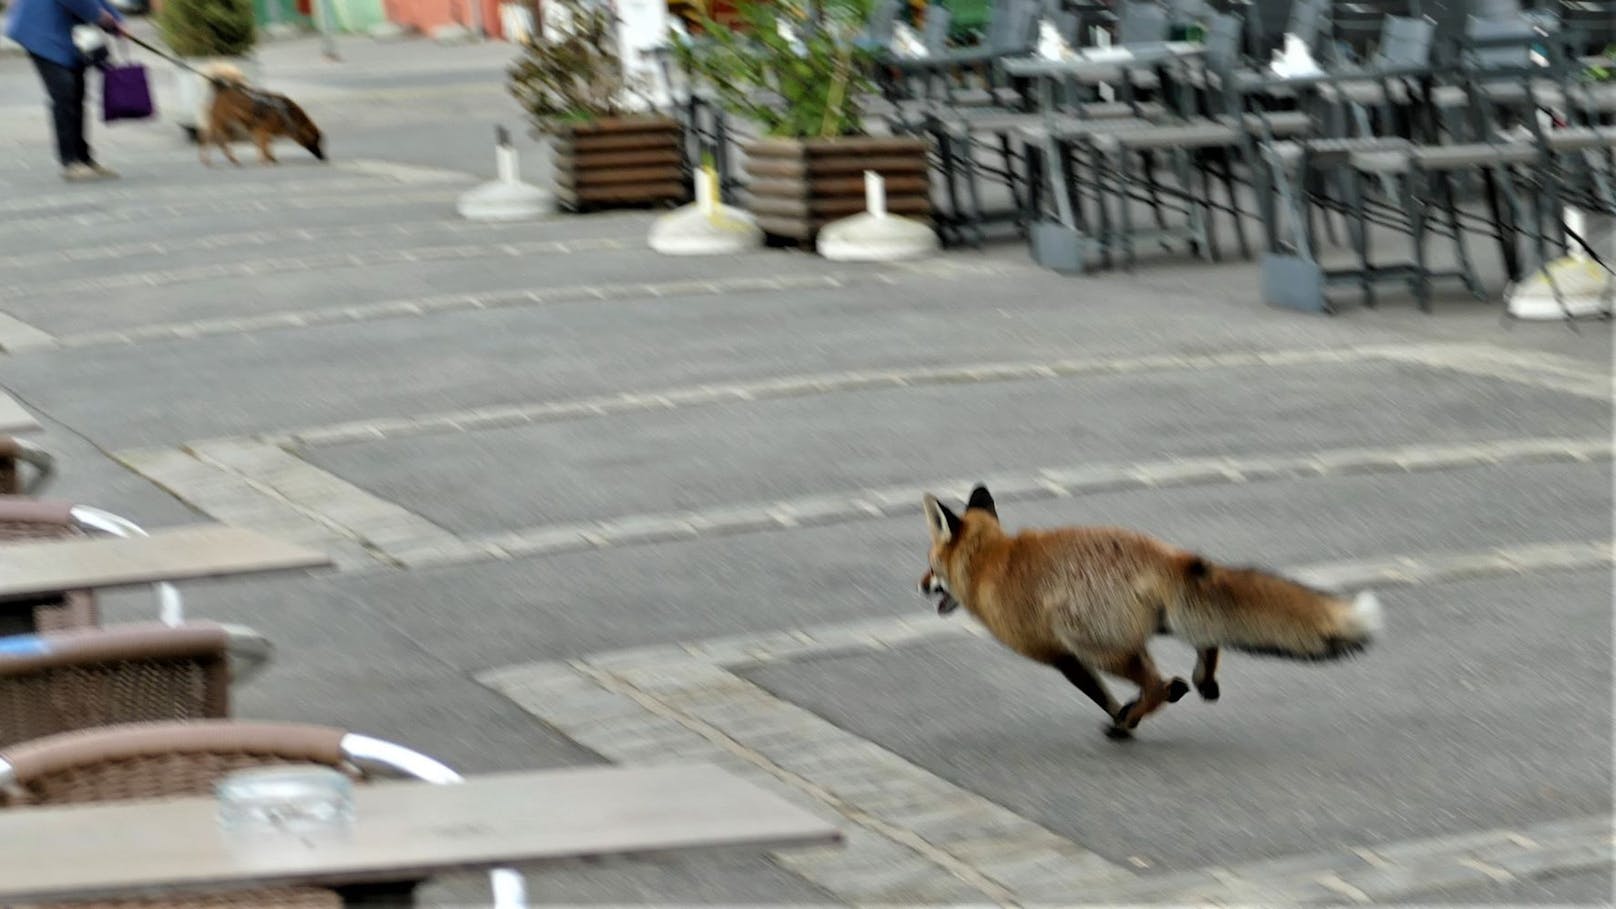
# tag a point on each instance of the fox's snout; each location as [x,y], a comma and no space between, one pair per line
[932,585]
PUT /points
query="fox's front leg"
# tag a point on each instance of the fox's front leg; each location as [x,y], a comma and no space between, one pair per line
[1087,682]
[1154,691]
[1205,674]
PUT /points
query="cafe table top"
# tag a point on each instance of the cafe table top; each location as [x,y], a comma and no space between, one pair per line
[37,567]
[402,831]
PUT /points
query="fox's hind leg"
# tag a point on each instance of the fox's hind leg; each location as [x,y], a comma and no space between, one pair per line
[1086,681]
[1154,691]
[1205,674]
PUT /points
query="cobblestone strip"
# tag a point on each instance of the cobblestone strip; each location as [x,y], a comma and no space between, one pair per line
[405,173]
[1542,370]
[914,836]
[270,237]
[379,526]
[315,262]
[419,306]
[785,387]
[1395,871]
[894,501]
[231,498]
[16,334]
[44,203]
[223,207]
[497,417]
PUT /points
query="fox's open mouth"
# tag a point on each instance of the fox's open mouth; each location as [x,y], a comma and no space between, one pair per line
[930,586]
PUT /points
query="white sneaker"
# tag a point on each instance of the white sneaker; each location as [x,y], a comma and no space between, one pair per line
[79,173]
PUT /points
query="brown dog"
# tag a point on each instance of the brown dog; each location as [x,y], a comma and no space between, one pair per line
[237,111]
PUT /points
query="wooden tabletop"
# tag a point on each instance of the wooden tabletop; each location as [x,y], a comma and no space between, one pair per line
[14,418]
[207,550]
[402,831]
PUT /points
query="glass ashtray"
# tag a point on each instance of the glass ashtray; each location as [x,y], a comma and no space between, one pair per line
[302,803]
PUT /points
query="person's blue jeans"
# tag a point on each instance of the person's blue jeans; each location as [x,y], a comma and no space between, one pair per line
[65,86]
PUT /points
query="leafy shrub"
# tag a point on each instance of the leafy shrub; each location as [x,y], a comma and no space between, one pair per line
[576,78]
[811,88]
[208,28]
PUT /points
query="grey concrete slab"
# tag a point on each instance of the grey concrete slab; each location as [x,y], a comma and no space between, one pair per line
[86,475]
[1487,705]
[490,614]
[765,450]
[337,287]
[338,662]
[399,367]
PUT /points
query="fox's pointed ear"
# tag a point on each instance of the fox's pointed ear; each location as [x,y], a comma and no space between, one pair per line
[940,522]
[981,498]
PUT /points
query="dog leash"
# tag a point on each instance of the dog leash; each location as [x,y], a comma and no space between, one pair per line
[258,97]
[170,58]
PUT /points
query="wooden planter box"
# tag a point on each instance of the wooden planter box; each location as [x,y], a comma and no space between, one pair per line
[797,186]
[625,162]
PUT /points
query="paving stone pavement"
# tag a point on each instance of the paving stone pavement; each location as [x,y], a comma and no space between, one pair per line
[589,504]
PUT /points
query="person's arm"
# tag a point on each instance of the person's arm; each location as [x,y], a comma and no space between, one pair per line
[110,18]
[94,11]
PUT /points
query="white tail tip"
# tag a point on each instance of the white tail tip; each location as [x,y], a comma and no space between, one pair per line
[1366,614]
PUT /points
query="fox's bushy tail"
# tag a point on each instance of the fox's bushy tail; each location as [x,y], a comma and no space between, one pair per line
[1259,612]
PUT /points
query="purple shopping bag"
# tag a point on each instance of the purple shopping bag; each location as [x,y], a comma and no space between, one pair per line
[125,94]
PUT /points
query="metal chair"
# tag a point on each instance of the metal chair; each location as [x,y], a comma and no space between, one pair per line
[878,29]
[15,454]
[62,681]
[164,760]
[23,520]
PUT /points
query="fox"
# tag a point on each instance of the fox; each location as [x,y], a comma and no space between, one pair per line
[1084,600]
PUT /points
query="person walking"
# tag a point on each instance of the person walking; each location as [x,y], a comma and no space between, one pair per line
[44,28]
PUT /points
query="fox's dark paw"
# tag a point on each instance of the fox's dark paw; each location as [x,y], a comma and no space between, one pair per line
[1122,722]
[1176,689]
[1208,690]
[1116,733]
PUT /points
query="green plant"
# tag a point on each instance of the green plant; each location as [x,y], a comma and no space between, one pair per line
[208,28]
[576,78]
[810,88]
[1599,72]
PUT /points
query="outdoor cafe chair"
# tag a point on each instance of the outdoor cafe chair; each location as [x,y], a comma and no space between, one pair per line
[17,457]
[172,759]
[62,681]
[25,520]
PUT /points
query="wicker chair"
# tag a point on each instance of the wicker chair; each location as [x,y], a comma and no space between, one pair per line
[159,760]
[85,677]
[14,453]
[26,520]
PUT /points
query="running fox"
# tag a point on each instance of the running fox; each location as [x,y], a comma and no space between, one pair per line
[1085,598]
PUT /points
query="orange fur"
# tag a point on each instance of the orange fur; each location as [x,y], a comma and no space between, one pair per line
[1081,598]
